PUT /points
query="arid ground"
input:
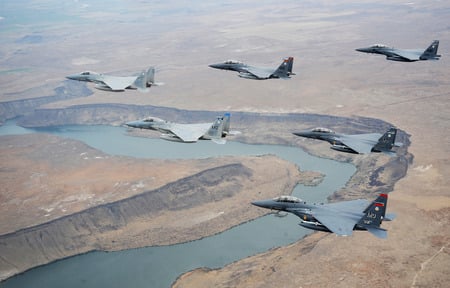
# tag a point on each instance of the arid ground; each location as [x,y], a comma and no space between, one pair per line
[180,40]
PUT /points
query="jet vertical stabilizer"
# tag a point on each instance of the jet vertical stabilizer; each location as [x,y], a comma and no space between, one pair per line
[386,142]
[285,69]
[226,125]
[431,52]
[215,133]
[374,215]
[141,82]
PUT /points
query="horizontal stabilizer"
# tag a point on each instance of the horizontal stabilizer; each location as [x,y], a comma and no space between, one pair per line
[389,216]
[378,232]
[144,90]
[234,132]
[219,140]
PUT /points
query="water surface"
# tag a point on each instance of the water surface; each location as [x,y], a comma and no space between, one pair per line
[159,266]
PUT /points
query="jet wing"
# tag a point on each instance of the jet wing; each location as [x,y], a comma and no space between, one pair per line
[190,132]
[410,55]
[353,206]
[362,143]
[118,83]
[340,218]
[260,72]
[340,225]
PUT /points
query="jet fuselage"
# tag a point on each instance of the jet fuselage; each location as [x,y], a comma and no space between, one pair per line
[329,136]
[302,210]
[404,55]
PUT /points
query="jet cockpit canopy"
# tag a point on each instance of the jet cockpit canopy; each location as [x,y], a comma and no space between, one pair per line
[287,199]
[322,130]
[379,46]
[233,62]
[152,119]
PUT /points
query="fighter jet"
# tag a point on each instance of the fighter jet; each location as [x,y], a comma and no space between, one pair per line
[404,55]
[356,144]
[284,71]
[118,83]
[188,133]
[340,218]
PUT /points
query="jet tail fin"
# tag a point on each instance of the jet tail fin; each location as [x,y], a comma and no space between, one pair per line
[226,127]
[141,82]
[375,212]
[386,142]
[226,120]
[374,215]
[285,69]
[150,75]
[151,78]
[431,52]
[215,133]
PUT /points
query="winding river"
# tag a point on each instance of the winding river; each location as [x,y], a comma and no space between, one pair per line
[160,266]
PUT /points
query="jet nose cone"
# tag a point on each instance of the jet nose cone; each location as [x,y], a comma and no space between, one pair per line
[217,66]
[133,124]
[302,133]
[366,50]
[257,203]
[261,203]
[72,77]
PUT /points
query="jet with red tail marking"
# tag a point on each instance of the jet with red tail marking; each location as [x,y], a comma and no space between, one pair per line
[340,217]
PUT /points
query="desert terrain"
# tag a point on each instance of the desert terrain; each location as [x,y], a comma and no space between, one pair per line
[332,79]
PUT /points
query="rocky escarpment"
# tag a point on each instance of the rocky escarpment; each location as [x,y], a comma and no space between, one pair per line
[90,229]
[202,197]
[15,108]
[375,174]
[256,128]
[111,113]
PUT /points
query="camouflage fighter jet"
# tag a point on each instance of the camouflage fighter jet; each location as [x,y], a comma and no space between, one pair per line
[340,217]
[356,144]
[404,55]
[141,82]
[284,71]
[188,133]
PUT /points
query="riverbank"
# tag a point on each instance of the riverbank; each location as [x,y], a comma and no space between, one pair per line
[128,204]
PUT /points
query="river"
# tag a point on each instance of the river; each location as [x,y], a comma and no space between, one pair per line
[159,266]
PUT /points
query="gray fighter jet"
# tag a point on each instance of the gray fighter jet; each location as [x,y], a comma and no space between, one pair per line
[284,71]
[358,143]
[340,218]
[404,55]
[188,133]
[118,83]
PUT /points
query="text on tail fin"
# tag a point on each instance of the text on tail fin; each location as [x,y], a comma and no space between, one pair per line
[216,128]
[285,69]
[386,142]
[431,51]
[375,212]
[141,81]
